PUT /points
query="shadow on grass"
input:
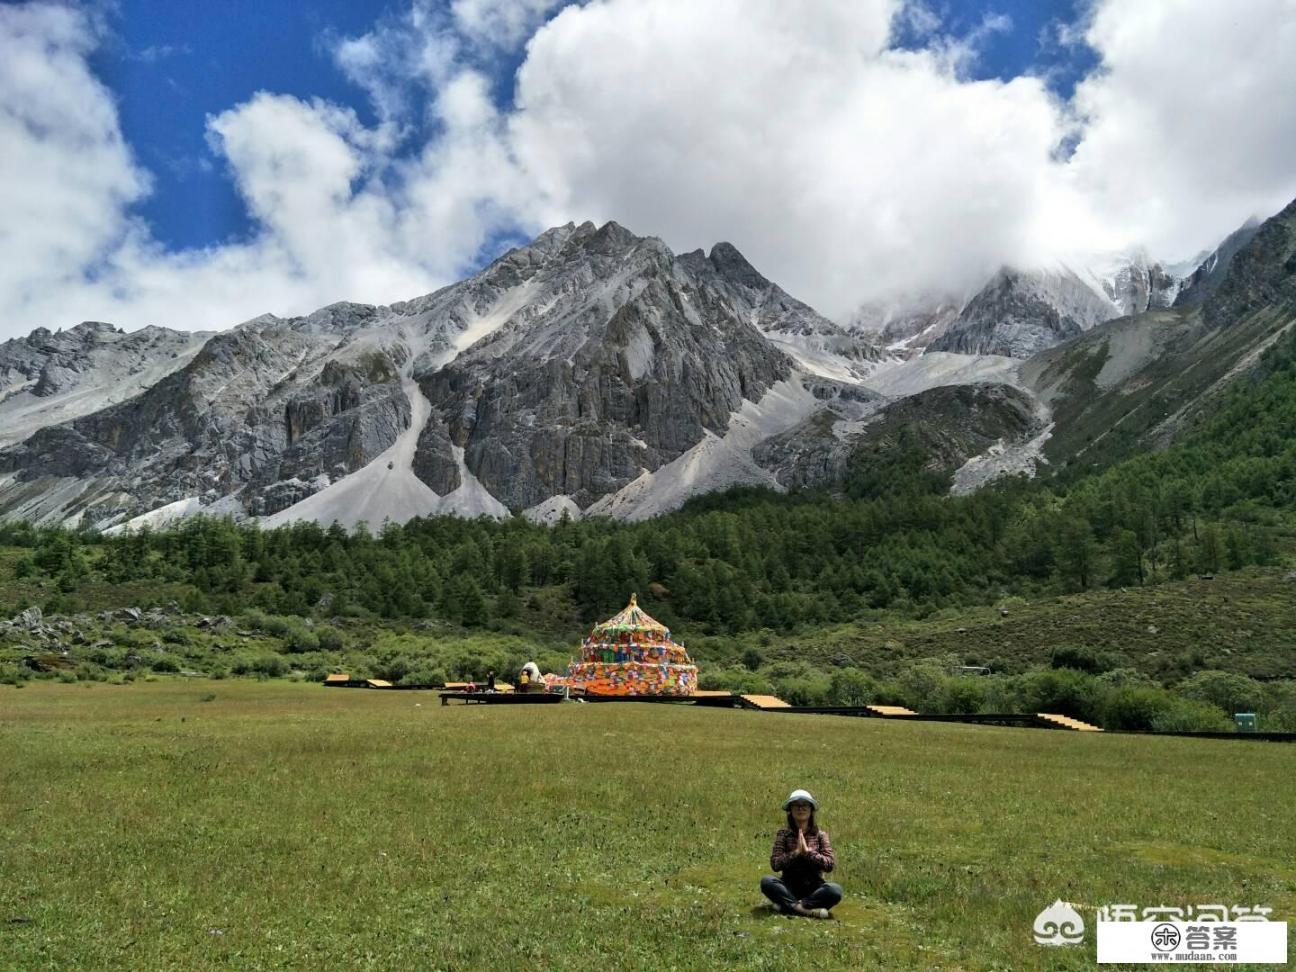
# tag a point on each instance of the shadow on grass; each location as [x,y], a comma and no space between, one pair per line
[769,911]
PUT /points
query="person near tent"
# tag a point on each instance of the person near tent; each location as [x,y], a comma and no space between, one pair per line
[529,678]
[803,854]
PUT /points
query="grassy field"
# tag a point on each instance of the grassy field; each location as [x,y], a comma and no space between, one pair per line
[267,825]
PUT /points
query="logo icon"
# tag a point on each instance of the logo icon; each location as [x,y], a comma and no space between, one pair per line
[1165,937]
[1059,924]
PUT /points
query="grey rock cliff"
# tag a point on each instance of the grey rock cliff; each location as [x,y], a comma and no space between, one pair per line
[618,375]
[567,367]
[1018,314]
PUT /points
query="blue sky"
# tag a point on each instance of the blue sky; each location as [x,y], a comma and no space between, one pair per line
[197,164]
[171,65]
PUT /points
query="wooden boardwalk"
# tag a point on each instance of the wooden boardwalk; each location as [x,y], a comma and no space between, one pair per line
[457,692]
[891,710]
[1066,722]
[762,702]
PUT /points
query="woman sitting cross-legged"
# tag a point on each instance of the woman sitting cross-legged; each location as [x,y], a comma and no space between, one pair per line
[802,852]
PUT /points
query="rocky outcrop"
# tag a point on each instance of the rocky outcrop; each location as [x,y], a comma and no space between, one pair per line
[1213,267]
[1261,272]
[579,398]
[566,368]
[1140,285]
[817,344]
[81,370]
[1019,314]
[256,406]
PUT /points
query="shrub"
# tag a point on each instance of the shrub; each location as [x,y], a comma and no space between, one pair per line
[424,674]
[1135,707]
[272,666]
[1125,676]
[1083,659]
[1191,715]
[1064,691]
[803,690]
[737,680]
[1282,719]
[330,639]
[1225,690]
[851,686]
[967,694]
[396,668]
[922,686]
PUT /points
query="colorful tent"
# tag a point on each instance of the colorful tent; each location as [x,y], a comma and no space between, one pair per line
[632,654]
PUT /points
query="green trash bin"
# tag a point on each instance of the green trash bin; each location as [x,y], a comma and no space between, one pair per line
[1246,721]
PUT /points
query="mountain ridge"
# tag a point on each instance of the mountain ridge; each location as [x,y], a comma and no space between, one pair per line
[595,372]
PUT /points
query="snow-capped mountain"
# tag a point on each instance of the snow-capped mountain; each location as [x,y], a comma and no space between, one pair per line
[1018,314]
[1135,283]
[908,324]
[594,372]
[1021,311]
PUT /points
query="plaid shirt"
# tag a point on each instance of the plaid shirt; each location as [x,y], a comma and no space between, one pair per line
[803,870]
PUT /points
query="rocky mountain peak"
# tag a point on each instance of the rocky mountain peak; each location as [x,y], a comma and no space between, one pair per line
[1214,266]
[1259,272]
[732,265]
[1020,312]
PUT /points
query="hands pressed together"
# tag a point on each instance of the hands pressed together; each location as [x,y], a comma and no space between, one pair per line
[802,848]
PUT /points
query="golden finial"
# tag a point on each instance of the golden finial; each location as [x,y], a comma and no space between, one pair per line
[634,600]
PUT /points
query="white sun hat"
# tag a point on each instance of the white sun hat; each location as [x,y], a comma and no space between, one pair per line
[800,796]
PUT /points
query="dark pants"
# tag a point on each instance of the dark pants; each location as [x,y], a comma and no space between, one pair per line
[824,896]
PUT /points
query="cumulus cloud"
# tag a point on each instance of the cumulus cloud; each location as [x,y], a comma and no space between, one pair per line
[340,210]
[501,23]
[845,168]
[66,177]
[842,168]
[1189,125]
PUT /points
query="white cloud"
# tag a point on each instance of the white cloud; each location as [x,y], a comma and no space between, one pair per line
[402,58]
[337,213]
[1191,120]
[840,168]
[501,24]
[846,170]
[66,178]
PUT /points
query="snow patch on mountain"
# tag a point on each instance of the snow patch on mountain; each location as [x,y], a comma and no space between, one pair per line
[898,378]
[552,510]
[810,354]
[715,462]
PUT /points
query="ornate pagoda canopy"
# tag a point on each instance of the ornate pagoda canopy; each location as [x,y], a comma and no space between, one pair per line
[632,653]
[632,618]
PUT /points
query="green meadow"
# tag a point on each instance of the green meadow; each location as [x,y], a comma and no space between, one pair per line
[187,824]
